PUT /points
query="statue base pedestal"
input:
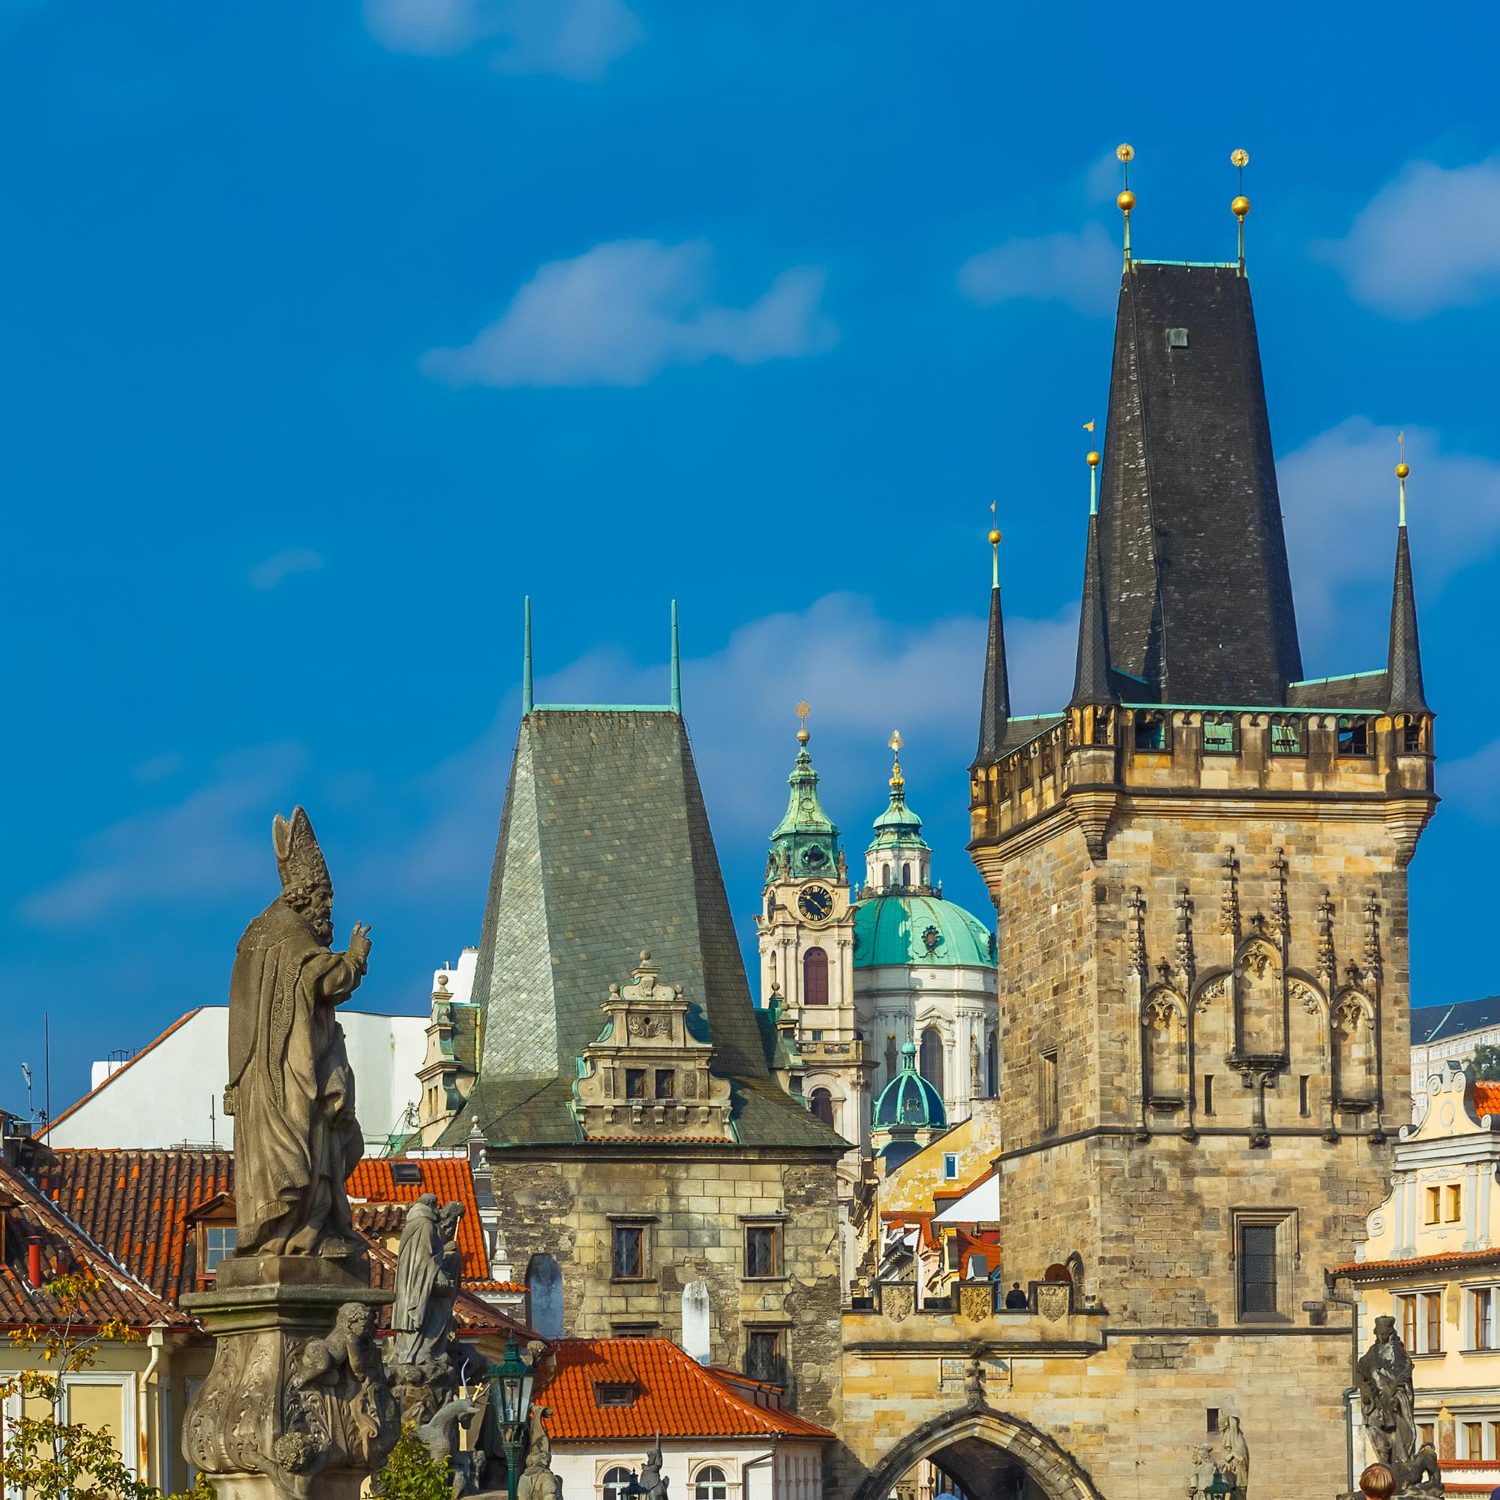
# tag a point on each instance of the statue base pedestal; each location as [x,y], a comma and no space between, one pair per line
[258,1427]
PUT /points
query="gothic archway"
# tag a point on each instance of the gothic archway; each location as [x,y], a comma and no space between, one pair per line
[980,1448]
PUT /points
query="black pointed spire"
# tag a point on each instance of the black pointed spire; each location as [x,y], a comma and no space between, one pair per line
[1091,680]
[1404,665]
[994,705]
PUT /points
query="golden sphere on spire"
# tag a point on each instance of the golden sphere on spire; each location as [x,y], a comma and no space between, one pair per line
[994,538]
[1126,201]
[1093,460]
[1240,207]
[1403,469]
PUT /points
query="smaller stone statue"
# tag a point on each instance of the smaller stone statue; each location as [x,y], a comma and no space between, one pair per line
[1387,1402]
[1234,1461]
[1205,1471]
[537,1481]
[341,1390]
[653,1482]
[422,1319]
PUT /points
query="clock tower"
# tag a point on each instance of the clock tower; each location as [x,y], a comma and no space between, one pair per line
[806,930]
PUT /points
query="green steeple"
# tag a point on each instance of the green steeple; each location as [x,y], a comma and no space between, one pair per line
[898,827]
[806,841]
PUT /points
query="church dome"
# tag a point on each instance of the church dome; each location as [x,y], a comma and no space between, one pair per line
[919,931]
[908,1100]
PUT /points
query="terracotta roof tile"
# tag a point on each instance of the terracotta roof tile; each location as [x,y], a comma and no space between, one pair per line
[675,1396]
[1486,1099]
[1378,1270]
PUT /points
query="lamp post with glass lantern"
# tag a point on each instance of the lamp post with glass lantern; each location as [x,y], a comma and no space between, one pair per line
[510,1385]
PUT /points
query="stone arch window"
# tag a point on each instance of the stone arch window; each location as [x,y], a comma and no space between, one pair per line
[822,1106]
[711,1484]
[906,874]
[618,1483]
[815,977]
[992,1066]
[930,1058]
[885,877]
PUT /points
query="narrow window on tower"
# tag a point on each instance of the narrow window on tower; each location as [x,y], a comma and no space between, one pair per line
[815,977]
[1048,1090]
[1208,1093]
[1302,1083]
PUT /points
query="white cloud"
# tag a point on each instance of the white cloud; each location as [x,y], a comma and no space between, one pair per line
[216,841]
[270,571]
[574,39]
[1081,270]
[1338,495]
[624,311]
[1428,240]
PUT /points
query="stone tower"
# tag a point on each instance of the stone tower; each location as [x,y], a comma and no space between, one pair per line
[1199,868]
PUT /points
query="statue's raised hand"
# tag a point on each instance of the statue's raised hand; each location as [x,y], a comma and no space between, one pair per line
[359,942]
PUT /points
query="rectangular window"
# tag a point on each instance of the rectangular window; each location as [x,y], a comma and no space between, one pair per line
[1481,1316]
[763,1361]
[950,1166]
[1208,1093]
[1286,736]
[665,1083]
[1218,736]
[1411,738]
[1455,1203]
[1151,730]
[1433,1205]
[1302,1083]
[1213,1419]
[218,1242]
[1048,1086]
[635,1083]
[1427,1434]
[1257,1269]
[1354,736]
[762,1250]
[628,1252]
[1473,1440]
[1406,1306]
[1432,1306]
[1493,1430]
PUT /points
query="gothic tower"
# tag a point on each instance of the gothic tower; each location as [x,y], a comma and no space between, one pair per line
[1199,867]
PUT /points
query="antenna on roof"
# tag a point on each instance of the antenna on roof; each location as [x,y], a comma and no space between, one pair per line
[1241,205]
[527,695]
[1126,201]
[676,665]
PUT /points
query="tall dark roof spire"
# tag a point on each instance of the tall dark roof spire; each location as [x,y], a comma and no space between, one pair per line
[1197,592]
[1091,682]
[1404,665]
[994,703]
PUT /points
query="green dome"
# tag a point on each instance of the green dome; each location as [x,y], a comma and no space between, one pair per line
[920,930]
[909,1100]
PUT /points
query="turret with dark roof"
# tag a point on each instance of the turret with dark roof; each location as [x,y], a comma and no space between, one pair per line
[994,702]
[1091,675]
[1404,659]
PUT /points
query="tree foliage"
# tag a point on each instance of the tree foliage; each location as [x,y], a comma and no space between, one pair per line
[411,1473]
[1486,1064]
[45,1457]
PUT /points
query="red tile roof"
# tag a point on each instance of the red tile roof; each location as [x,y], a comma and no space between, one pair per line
[1386,1270]
[180,1021]
[1486,1099]
[675,1396]
[27,1214]
[450,1177]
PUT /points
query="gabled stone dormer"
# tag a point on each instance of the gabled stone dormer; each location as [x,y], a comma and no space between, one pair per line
[647,1075]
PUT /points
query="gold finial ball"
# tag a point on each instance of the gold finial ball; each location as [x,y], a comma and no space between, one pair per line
[1125,152]
[1126,201]
[1240,157]
[1240,207]
[1403,469]
[994,538]
[1093,460]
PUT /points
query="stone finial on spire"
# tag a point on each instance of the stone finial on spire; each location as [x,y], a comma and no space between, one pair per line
[1091,681]
[994,702]
[1404,662]
[1241,205]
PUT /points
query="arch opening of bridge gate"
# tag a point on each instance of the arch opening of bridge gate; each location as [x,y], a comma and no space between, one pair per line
[985,1455]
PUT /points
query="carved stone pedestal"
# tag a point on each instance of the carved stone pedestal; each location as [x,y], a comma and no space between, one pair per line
[296,1406]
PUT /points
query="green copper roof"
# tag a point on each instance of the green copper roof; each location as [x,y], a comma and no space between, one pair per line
[909,1100]
[898,827]
[918,930]
[807,836]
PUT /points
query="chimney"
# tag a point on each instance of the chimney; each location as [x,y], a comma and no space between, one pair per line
[34,1262]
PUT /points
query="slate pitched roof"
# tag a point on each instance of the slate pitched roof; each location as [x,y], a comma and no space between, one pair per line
[994,702]
[27,1213]
[1198,592]
[1404,664]
[605,850]
[1436,1023]
[673,1396]
[1354,690]
[1091,675]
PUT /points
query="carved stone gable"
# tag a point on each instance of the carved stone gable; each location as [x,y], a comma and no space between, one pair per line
[647,1075]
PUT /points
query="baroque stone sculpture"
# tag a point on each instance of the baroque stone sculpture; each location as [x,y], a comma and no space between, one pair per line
[291,1089]
[297,1405]
[653,1482]
[1387,1403]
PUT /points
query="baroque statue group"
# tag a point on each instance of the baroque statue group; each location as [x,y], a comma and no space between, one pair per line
[300,1403]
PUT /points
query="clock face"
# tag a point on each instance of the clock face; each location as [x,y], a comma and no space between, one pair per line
[815,903]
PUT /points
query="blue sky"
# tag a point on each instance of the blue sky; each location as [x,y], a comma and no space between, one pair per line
[333,330]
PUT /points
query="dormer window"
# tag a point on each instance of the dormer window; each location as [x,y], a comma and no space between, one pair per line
[218,1244]
[614,1393]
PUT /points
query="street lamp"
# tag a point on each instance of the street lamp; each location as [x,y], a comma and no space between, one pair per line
[510,1381]
[1219,1486]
